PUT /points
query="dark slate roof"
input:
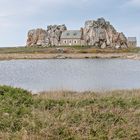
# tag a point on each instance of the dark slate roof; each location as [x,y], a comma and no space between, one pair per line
[71,34]
[132,39]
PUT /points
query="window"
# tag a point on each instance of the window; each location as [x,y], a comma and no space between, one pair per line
[68,34]
[75,34]
[65,41]
[75,41]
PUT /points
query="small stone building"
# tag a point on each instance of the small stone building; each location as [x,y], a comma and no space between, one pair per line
[72,38]
[132,42]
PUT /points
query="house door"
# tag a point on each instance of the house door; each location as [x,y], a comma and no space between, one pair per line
[70,43]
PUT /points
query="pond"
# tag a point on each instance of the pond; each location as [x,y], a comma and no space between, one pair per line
[71,74]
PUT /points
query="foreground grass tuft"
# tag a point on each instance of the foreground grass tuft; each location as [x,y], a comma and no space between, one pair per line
[69,115]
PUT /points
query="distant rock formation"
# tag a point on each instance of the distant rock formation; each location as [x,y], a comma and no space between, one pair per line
[49,37]
[54,34]
[37,37]
[99,33]
[102,34]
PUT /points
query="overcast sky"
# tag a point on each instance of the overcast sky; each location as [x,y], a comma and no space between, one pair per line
[18,16]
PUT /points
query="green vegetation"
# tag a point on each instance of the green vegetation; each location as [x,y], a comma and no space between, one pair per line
[69,115]
[67,49]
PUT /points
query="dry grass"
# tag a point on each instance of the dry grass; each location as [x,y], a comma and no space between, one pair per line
[67,52]
[66,49]
[65,115]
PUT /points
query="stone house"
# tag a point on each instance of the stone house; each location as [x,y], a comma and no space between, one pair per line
[132,42]
[72,38]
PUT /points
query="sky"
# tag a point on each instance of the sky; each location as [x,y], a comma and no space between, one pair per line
[19,16]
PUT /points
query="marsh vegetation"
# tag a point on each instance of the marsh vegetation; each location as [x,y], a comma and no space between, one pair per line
[69,115]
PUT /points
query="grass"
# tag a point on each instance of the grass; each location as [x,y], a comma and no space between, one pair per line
[67,49]
[65,115]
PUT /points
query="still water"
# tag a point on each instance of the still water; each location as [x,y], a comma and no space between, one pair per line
[70,74]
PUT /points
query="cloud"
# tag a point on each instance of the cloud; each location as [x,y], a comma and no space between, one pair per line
[133,3]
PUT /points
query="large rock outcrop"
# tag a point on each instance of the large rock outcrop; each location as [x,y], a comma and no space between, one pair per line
[102,34]
[99,33]
[49,37]
[37,37]
[54,34]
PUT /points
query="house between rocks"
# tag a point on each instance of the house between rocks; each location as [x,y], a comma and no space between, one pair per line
[96,33]
[72,38]
[75,38]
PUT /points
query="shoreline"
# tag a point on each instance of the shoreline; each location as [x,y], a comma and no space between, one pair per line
[15,56]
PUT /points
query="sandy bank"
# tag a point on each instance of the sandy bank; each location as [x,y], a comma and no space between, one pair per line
[10,56]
